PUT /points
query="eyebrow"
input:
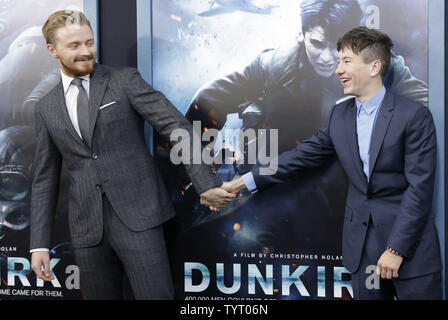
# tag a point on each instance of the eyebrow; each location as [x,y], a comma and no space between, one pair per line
[76,42]
[344,58]
[317,38]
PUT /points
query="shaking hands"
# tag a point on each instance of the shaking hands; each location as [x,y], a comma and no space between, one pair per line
[219,197]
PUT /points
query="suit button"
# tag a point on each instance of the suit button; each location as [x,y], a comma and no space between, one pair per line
[94,156]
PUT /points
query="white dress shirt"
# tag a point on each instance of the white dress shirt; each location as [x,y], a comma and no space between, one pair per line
[71,97]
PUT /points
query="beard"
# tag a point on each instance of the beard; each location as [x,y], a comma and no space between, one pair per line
[77,68]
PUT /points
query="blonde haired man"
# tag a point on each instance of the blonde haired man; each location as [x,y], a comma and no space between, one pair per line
[93,120]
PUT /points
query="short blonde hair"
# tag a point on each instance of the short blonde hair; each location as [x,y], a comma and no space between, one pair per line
[60,19]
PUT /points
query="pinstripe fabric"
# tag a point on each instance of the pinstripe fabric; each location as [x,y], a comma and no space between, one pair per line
[117,162]
[146,265]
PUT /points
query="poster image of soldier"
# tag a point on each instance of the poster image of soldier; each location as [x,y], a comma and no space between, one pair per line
[291,87]
[27,73]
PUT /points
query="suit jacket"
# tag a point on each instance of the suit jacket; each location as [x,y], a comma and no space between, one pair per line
[397,197]
[117,162]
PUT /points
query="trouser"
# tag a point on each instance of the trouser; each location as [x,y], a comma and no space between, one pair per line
[141,257]
[424,287]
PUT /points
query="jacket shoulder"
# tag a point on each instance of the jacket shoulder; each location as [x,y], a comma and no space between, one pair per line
[408,108]
[400,101]
[283,59]
[118,73]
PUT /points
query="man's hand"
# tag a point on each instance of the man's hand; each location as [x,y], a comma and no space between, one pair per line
[216,198]
[234,186]
[39,259]
[388,265]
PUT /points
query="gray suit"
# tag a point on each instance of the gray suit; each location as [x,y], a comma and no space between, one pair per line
[117,167]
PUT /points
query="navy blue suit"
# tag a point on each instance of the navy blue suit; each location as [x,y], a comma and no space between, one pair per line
[396,200]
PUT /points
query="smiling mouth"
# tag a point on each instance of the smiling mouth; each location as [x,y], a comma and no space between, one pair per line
[344,81]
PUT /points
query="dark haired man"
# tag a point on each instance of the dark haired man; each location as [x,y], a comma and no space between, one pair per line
[387,146]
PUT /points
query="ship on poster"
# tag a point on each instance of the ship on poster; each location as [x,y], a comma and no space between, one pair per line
[237,65]
[27,73]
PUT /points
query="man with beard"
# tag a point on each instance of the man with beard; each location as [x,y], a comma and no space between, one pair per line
[93,120]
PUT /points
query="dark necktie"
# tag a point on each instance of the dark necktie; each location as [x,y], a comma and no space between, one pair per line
[82,110]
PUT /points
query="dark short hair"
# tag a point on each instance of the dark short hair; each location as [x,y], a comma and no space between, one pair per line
[335,16]
[370,43]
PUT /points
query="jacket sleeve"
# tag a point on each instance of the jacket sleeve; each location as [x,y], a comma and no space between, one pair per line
[311,153]
[45,186]
[419,168]
[155,108]
[222,96]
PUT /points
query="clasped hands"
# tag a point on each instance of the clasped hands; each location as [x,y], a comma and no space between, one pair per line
[219,197]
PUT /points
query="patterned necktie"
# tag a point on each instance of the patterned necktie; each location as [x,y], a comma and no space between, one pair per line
[82,109]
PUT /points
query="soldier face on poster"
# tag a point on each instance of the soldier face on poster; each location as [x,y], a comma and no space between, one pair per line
[239,65]
[27,73]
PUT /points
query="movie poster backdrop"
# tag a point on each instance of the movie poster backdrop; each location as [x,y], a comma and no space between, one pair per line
[234,66]
[239,65]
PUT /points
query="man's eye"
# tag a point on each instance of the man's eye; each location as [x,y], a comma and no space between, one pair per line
[318,44]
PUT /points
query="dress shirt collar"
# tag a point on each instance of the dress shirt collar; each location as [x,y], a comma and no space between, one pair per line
[372,104]
[66,80]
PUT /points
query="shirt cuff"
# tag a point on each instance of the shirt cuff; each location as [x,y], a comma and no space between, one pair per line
[249,181]
[40,250]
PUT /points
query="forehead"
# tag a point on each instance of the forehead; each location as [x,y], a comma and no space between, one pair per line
[316,33]
[75,31]
[346,52]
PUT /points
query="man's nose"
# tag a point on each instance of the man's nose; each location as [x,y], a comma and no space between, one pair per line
[85,50]
[339,70]
[328,55]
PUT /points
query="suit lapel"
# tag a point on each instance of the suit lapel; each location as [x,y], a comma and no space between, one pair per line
[353,139]
[61,106]
[382,124]
[98,85]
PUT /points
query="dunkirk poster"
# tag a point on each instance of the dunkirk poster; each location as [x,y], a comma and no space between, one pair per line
[27,73]
[235,66]
[267,66]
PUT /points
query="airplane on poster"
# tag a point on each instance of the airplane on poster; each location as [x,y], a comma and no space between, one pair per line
[218,7]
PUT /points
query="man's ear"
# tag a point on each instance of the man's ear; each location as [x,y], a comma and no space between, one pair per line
[300,35]
[52,51]
[376,68]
